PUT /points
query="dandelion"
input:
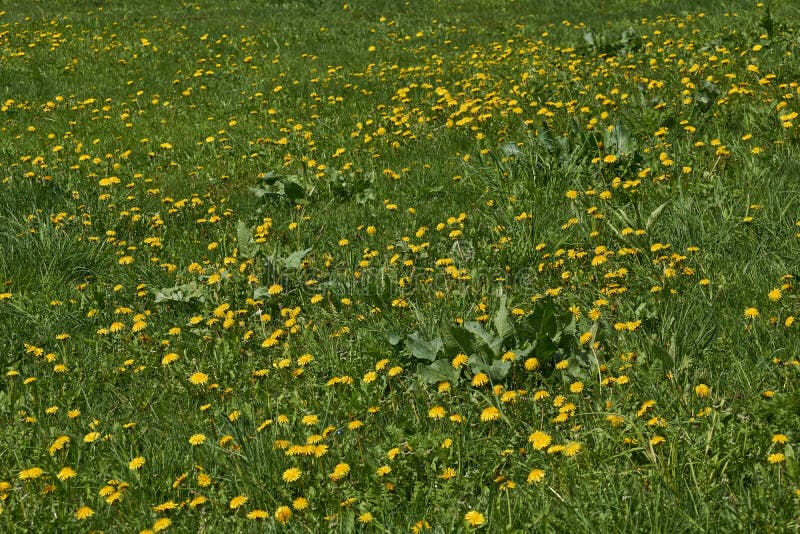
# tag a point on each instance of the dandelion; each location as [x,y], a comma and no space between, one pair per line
[237,502]
[702,391]
[292,474]
[339,472]
[300,504]
[366,517]
[751,313]
[197,439]
[459,361]
[480,379]
[776,458]
[539,440]
[282,514]
[66,473]
[257,514]
[30,474]
[448,473]
[535,476]
[83,513]
[474,518]
[437,412]
[162,524]
[384,470]
[198,378]
[490,414]
[136,463]
[780,439]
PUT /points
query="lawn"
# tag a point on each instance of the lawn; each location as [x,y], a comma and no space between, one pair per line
[435,265]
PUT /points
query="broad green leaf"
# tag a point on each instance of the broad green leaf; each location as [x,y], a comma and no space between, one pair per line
[458,340]
[422,348]
[295,259]
[438,371]
[502,322]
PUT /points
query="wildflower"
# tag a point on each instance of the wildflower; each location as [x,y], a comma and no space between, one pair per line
[58,444]
[751,313]
[292,474]
[474,518]
[490,414]
[237,502]
[300,503]
[459,361]
[437,412]
[257,514]
[448,473]
[197,439]
[384,470]
[282,514]
[136,463]
[780,439]
[536,475]
[66,473]
[480,379]
[366,517]
[162,524]
[539,440]
[776,458]
[572,448]
[84,512]
[339,472]
[702,391]
[198,378]
[31,474]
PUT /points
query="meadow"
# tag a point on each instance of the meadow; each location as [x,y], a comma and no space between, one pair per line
[385,266]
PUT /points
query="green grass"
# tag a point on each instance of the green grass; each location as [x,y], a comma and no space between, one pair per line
[498,265]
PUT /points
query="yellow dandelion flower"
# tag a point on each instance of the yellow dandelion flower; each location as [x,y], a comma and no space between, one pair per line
[30,474]
[535,476]
[384,470]
[571,449]
[198,378]
[366,517]
[459,361]
[540,440]
[300,503]
[257,514]
[474,518]
[162,524]
[480,379]
[751,313]
[292,474]
[780,439]
[197,439]
[237,502]
[66,473]
[339,472]
[776,458]
[136,463]
[702,390]
[282,514]
[83,513]
[437,412]
[448,473]
[490,414]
